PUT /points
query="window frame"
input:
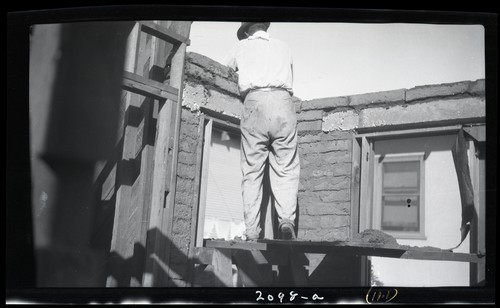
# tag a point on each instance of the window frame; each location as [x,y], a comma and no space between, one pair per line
[362,169]
[377,193]
[363,158]
[206,124]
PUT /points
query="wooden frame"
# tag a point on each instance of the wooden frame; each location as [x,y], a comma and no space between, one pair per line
[207,123]
[377,194]
[360,191]
[163,33]
[363,157]
[165,160]
[149,88]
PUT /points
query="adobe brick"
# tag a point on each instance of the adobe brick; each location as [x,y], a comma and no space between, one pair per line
[309,222]
[332,208]
[194,71]
[310,115]
[334,221]
[393,96]
[325,103]
[227,85]
[335,195]
[434,111]
[340,121]
[477,87]
[209,65]
[446,89]
[309,125]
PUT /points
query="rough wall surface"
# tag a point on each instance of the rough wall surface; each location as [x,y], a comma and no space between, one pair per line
[209,88]
[458,102]
[184,198]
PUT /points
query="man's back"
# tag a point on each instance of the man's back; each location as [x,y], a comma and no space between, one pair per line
[262,63]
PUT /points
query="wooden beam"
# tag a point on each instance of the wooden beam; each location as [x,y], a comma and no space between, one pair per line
[147,87]
[365,198]
[355,186]
[164,174]
[442,256]
[349,247]
[163,33]
[414,131]
[201,255]
[251,245]
[477,132]
[223,270]
[207,133]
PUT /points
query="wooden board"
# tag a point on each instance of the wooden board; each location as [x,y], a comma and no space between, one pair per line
[163,33]
[346,247]
[147,87]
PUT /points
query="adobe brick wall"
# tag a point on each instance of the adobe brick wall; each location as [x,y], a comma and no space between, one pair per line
[326,129]
[460,102]
[209,87]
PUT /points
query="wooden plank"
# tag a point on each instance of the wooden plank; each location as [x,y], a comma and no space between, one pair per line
[355,186]
[201,255]
[222,266]
[156,247]
[176,80]
[442,256]
[164,181]
[147,87]
[164,33]
[207,133]
[349,247]
[477,132]
[477,230]
[224,119]
[197,183]
[251,245]
[365,199]
[409,132]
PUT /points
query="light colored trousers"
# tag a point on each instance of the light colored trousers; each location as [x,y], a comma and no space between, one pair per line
[269,135]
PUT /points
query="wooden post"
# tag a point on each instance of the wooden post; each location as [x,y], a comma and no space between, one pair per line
[477,231]
[248,269]
[222,266]
[365,202]
[164,179]
[355,187]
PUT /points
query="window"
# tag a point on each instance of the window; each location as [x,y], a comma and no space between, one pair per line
[398,194]
[220,206]
[405,183]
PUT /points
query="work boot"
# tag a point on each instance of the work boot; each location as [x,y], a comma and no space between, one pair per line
[287,232]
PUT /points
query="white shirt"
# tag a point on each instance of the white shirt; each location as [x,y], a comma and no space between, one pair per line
[261,62]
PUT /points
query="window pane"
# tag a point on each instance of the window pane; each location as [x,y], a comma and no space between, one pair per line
[401,177]
[224,204]
[398,216]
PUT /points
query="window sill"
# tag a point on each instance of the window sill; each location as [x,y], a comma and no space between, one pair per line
[407,236]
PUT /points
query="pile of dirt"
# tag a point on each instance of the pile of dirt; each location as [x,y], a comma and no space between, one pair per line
[371,236]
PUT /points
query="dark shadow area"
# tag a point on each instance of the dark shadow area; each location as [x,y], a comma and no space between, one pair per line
[339,270]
